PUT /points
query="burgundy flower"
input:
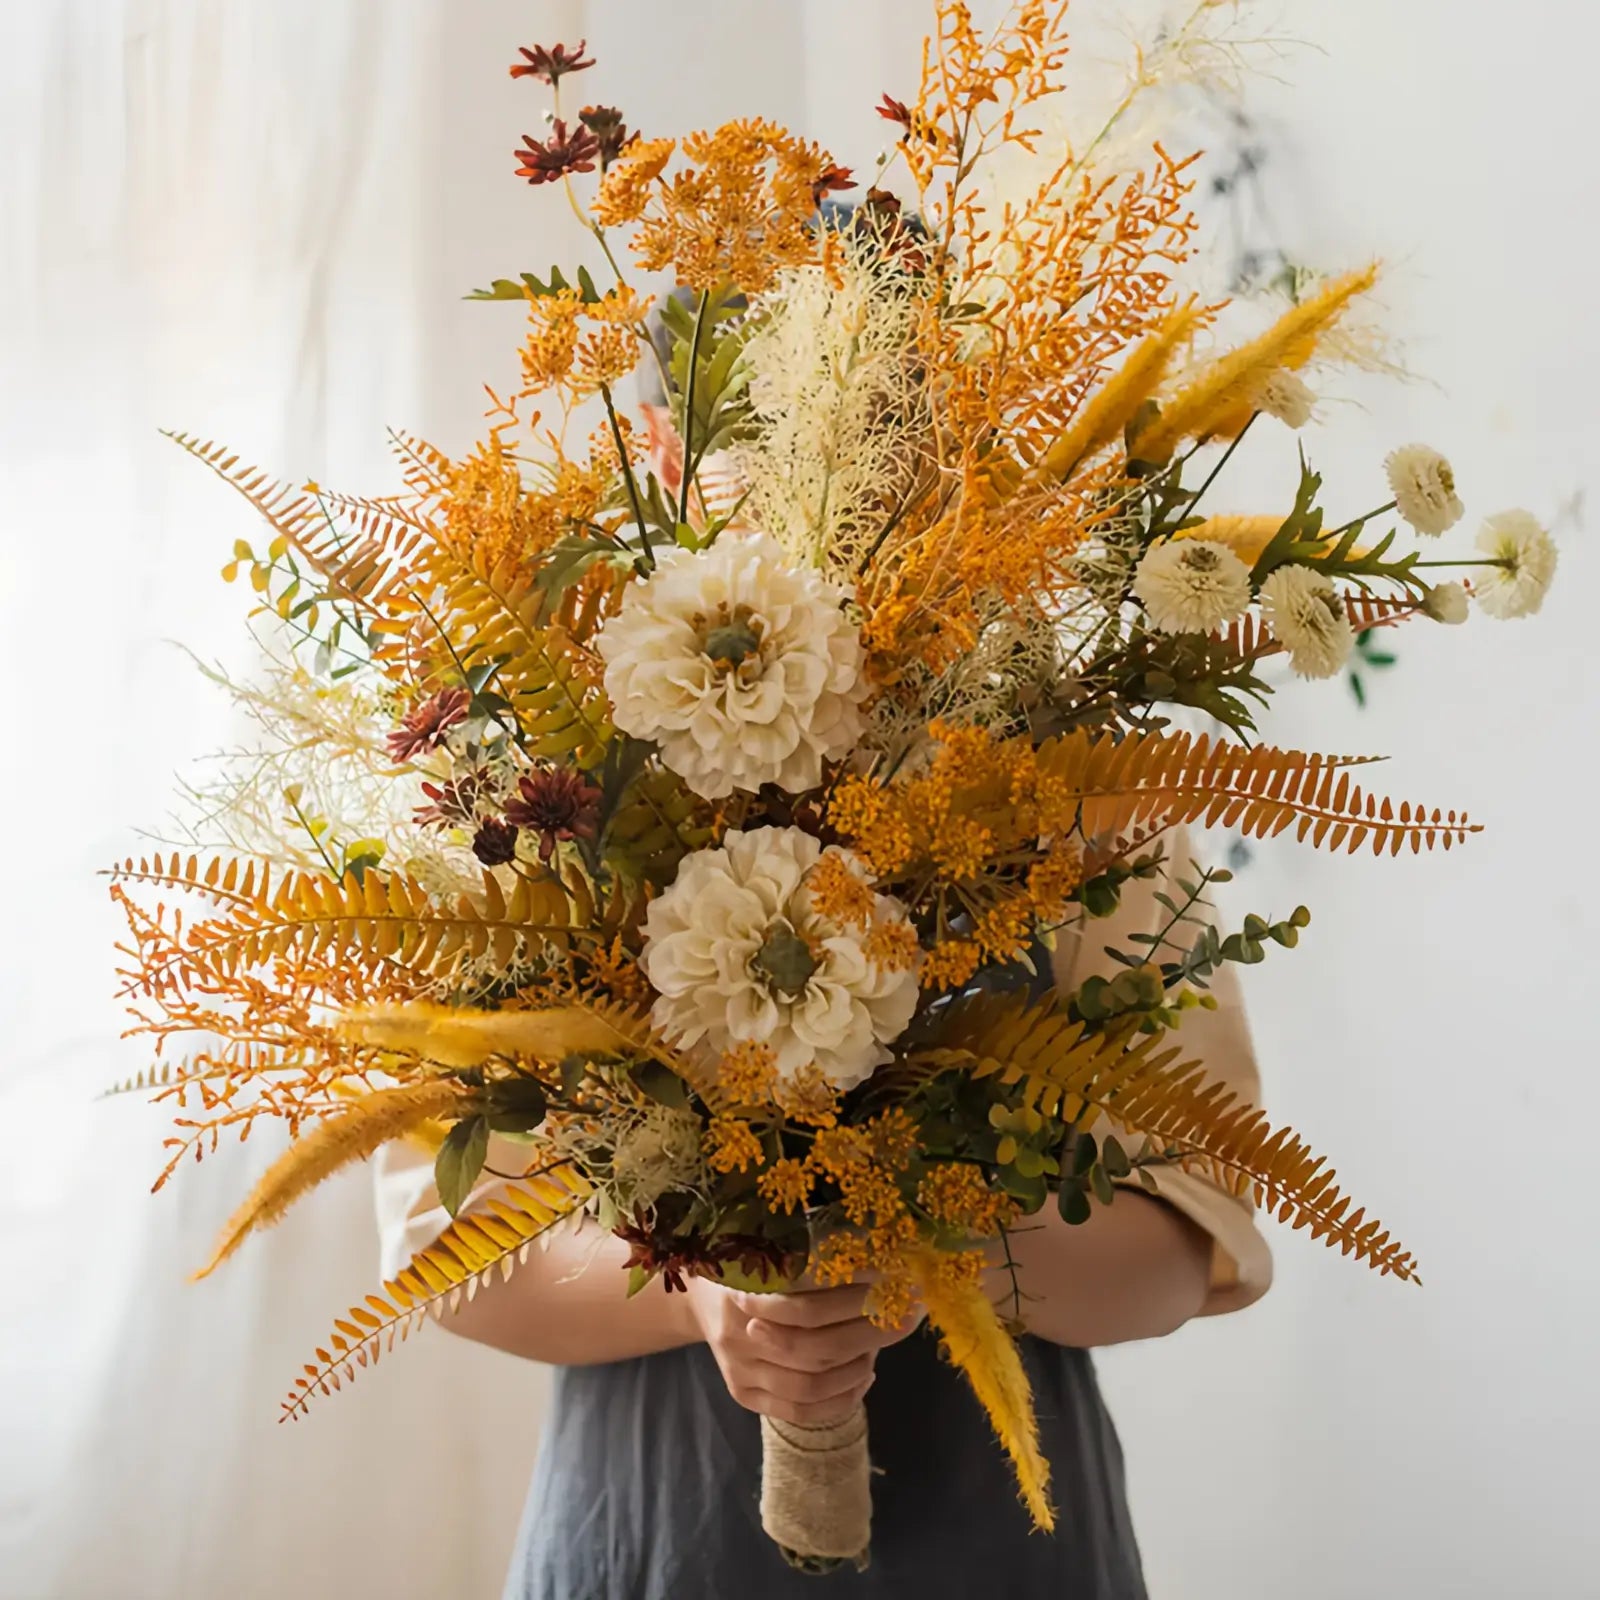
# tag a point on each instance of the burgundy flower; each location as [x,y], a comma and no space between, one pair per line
[550,66]
[893,110]
[829,181]
[495,842]
[605,123]
[562,153]
[449,803]
[556,803]
[681,1256]
[427,724]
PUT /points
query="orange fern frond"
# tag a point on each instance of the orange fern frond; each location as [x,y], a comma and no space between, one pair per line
[349,1135]
[1180,778]
[1150,1093]
[465,1256]
[1222,397]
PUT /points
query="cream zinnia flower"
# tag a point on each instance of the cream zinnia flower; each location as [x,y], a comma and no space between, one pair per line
[738,953]
[1307,617]
[1518,588]
[742,668]
[1191,585]
[1424,488]
[1287,398]
[1446,602]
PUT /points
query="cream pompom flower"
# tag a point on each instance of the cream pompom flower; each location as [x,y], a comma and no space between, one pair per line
[1287,398]
[1305,614]
[742,667]
[1424,487]
[1517,587]
[1446,602]
[739,952]
[1191,585]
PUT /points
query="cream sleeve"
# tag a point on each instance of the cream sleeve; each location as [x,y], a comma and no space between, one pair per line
[1241,1264]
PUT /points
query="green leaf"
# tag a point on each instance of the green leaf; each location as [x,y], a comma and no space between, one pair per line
[638,1277]
[1115,1159]
[1104,1190]
[516,1105]
[519,288]
[1073,1204]
[662,1085]
[1084,1152]
[460,1160]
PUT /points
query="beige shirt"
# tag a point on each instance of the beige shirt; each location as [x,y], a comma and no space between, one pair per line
[410,1216]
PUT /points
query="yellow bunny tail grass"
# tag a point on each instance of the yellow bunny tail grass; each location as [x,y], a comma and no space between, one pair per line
[349,1135]
[1247,537]
[976,1340]
[1104,418]
[1220,399]
[464,1038]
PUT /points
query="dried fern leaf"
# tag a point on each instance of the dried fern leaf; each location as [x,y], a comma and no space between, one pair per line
[1171,778]
[349,1135]
[465,1256]
[1151,1093]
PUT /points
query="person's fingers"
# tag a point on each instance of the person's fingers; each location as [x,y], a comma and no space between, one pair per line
[811,1308]
[806,1388]
[815,1349]
[810,1414]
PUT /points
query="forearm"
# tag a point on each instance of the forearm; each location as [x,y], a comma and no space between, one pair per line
[567,1305]
[1136,1270]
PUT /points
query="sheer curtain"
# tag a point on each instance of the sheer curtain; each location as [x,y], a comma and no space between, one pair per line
[254,221]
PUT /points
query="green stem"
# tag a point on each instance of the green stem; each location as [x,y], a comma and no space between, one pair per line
[1357,522]
[628,477]
[1216,471]
[690,465]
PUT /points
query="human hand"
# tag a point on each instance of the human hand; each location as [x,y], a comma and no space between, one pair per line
[806,1357]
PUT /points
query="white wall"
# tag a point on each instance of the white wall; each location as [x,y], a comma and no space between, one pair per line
[254,219]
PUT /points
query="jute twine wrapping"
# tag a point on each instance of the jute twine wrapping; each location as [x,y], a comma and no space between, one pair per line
[816,1492]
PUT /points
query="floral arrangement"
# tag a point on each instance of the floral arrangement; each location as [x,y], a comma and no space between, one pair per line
[710,846]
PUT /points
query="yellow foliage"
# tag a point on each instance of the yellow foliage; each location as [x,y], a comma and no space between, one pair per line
[463,1258]
[348,1135]
[977,1342]
[1221,398]
[455,1037]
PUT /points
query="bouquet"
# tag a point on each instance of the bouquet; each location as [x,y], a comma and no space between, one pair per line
[695,809]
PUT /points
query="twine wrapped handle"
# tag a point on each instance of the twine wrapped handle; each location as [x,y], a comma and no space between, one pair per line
[816,1492]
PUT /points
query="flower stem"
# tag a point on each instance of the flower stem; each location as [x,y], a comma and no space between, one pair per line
[1216,471]
[628,477]
[690,466]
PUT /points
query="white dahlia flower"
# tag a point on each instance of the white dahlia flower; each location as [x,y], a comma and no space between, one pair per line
[1527,555]
[1446,602]
[738,952]
[743,668]
[1191,585]
[1424,488]
[1287,398]
[1306,616]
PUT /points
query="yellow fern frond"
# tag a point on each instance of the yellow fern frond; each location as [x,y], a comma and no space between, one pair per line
[1103,418]
[465,1256]
[1221,398]
[1175,778]
[976,1341]
[1151,1093]
[463,1038]
[349,1135]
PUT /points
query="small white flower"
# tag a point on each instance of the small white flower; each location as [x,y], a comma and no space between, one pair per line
[1191,585]
[1516,589]
[1446,602]
[743,668]
[738,952]
[1424,488]
[1288,399]
[1307,617]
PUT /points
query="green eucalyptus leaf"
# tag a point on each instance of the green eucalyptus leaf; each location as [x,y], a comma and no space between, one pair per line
[460,1160]
[1104,1190]
[1115,1158]
[1073,1204]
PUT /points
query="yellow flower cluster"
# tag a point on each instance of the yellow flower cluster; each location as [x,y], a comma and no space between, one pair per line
[580,347]
[732,1145]
[956,1195]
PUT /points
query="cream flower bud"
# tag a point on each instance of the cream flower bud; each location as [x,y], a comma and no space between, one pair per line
[1191,585]
[1307,617]
[1287,398]
[1424,488]
[1528,555]
[1446,602]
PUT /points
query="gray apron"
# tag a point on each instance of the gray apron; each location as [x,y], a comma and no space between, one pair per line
[649,1476]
